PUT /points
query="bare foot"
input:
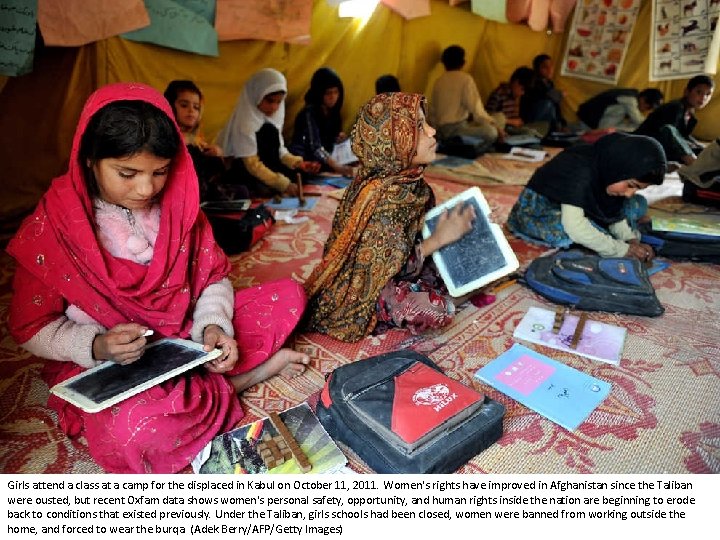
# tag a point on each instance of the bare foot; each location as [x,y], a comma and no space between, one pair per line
[286,362]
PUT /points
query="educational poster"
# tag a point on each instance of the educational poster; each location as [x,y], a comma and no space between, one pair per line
[178,24]
[17,36]
[684,38]
[76,22]
[280,20]
[599,38]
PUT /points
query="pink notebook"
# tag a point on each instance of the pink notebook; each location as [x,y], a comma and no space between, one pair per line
[599,341]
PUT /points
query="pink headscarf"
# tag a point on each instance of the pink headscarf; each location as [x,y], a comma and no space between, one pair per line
[58,245]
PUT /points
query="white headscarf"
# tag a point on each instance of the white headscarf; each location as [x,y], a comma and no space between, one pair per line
[237,138]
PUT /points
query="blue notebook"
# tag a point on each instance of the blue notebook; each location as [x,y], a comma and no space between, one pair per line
[292,203]
[555,390]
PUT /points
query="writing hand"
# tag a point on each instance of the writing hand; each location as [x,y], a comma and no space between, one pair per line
[122,344]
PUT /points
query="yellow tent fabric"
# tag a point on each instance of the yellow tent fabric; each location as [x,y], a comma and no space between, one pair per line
[39,110]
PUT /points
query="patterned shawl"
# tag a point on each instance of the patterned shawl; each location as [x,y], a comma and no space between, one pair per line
[377,222]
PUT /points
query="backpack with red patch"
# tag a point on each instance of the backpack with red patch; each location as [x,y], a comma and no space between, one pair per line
[401,414]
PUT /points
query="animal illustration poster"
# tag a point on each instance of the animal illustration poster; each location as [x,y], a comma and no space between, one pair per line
[599,38]
[684,38]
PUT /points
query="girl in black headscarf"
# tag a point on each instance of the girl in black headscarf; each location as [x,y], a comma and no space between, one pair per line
[318,126]
[586,195]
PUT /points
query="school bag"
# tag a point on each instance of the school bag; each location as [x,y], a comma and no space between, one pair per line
[682,246]
[592,283]
[401,414]
[239,232]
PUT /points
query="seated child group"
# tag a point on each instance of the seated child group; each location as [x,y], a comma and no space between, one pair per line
[118,245]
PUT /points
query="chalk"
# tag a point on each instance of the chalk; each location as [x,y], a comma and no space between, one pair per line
[148,333]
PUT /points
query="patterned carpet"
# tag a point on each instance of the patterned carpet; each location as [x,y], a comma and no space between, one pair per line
[662,416]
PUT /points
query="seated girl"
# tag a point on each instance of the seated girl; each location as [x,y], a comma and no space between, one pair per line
[117,246]
[318,126]
[187,103]
[374,266]
[586,195]
[254,135]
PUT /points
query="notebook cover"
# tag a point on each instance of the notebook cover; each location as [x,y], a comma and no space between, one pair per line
[426,399]
[598,341]
[558,392]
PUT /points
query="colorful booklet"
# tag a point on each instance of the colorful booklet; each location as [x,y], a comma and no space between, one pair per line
[598,341]
[558,392]
[236,452]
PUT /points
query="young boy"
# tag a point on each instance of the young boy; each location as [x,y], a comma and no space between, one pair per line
[506,97]
[672,124]
[456,108]
[621,108]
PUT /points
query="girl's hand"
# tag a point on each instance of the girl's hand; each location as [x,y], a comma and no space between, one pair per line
[291,191]
[639,251]
[452,225]
[215,337]
[212,150]
[122,344]
[341,137]
[310,166]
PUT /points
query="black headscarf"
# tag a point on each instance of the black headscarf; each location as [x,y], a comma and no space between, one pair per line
[329,124]
[581,174]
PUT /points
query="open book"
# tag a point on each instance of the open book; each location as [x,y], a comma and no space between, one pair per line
[236,452]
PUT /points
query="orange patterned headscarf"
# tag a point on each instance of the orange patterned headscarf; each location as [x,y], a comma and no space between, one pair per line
[377,222]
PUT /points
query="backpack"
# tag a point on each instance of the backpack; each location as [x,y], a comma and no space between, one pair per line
[592,283]
[239,232]
[401,414]
[681,245]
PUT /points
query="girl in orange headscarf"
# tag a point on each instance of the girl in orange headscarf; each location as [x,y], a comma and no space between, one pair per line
[373,268]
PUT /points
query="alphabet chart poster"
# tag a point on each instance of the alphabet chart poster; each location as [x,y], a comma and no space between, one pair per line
[599,38]
[684,39]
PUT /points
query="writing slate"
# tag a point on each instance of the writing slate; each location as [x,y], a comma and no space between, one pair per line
[110,383]
[480,257]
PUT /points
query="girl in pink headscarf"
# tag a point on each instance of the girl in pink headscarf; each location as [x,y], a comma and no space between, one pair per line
[118,246]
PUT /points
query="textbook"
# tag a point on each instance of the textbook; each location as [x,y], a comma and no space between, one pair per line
[239,451]
[597,341]
[482,256]
[558,392]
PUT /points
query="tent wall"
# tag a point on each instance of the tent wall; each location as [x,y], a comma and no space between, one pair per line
[39,110]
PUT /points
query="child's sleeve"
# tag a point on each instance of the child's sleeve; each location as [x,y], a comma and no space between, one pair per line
[583,232]
[622,231]
[38,323]
[267,176]
[215,305]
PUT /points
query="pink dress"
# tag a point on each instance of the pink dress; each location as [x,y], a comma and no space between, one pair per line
[155,279]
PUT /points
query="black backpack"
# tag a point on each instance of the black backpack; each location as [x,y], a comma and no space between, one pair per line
[682,246]
[364,405]
[592,283]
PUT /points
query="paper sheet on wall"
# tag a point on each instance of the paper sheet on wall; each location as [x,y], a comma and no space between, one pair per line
[494,10]
[684,38]
[409,9]
[76,22]
[280,20]
[17,36]
[176,24]
[599,39]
